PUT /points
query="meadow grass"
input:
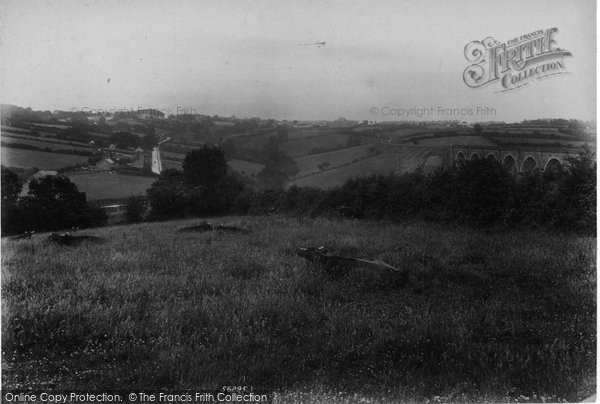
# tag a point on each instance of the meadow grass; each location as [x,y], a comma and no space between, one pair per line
[476,316]
[21,158]
[98,185]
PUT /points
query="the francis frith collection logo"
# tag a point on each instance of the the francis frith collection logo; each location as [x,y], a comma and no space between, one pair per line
[514,63]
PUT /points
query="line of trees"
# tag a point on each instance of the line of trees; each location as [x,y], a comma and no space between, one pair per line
[478,193]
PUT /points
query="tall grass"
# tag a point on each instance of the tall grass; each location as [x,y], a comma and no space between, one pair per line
[480,316]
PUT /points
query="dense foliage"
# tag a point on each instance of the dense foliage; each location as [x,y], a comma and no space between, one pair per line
[478,193]
[135,208]
[52,203]
[204,187]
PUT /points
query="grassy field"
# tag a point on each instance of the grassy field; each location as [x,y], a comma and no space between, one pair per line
[50,138]
[337,176]
[22,158]
[398,159]
[310,163]
[541,142]
[298,134]
[255,141]
[475,316]
[400,133]
[177,165]
[302,147]
[110,186]
[13,129]
[43,143]
[172,155]
[457,140]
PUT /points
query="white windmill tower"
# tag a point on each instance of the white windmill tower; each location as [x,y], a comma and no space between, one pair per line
[156,160]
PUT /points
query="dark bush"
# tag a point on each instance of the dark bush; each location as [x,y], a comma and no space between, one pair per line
[203,188]
[478,193]
[135,208]
[204,167]
[575,207]
[264,202]
[52,203]
[11,188]
[168,196]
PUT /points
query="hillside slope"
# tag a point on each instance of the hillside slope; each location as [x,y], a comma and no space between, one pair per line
[471,317]
[396,159]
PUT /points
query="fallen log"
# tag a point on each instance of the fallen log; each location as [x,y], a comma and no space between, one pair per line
[202,227]
[320,256]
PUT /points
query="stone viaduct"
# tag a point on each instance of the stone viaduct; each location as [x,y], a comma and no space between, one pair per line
[515,159]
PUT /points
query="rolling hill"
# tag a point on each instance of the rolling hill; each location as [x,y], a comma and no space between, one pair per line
[320,144]
[314,163]
[397,159]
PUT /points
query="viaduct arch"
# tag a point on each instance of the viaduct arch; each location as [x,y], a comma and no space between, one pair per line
[517,160]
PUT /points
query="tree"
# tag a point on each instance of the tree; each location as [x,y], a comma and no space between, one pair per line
[576,208]
[478,129]
[218,199]
[124,140]
[167,196]
[204,167]
[149,141]
[135,207]
[479,192]
[279,166]
[11,188]
[203,188]
[211,190]
[54,202]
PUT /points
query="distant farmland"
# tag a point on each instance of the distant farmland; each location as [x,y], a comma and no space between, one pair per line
[21,158]
[337,176]
[111,186]
[320,144]
[310,163]
[50,144]
[300,134]
[398,133]
[541,142]
[457,140]
[167,164]
[400,159]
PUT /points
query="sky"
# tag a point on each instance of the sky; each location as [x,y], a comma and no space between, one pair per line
[264,58]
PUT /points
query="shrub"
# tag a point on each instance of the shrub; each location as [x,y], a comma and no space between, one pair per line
[167,196]
[52,203]
[479,192]
[203,188]
[135,208]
